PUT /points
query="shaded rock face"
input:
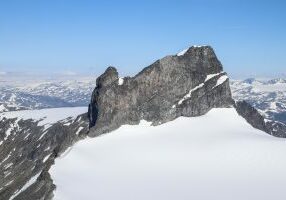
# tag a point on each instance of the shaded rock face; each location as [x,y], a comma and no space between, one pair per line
[188,84]
[255,119]
[27,154]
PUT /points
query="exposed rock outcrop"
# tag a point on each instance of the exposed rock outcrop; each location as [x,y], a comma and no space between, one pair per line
[254,118]
[28,152]
[187,84]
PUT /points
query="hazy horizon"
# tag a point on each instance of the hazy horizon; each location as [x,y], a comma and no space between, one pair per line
[68,75]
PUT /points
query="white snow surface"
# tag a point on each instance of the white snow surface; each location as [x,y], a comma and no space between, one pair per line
[258,87]
[218,156]
[181,53]
[210,76]
[46,158]
[187,96]
[221,80]
[47,116]
[78,130]
[120,81]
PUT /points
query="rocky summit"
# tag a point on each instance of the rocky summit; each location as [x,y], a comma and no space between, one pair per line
[187,84]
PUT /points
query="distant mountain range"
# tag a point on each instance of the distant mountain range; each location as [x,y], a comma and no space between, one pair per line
[45,94]
[268,96]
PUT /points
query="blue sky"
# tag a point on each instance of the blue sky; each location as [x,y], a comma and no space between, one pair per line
[66,36]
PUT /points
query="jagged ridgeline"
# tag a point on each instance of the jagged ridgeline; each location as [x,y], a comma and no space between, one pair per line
[187,84]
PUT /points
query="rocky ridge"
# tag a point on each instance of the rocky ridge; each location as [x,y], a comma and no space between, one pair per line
[187,84]
[257,120]
[28,149]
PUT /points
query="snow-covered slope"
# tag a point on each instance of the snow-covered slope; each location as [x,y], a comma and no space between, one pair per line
[46,116]
[268,96]
[214,156]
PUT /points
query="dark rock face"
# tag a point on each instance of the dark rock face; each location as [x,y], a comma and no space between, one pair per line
[28,153]
[181,85]
[254,118]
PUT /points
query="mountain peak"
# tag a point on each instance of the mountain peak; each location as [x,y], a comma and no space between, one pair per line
[187,85]
[109,76]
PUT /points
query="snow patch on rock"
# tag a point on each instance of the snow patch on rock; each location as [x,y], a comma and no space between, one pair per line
[188,95]
[181,53]
[28,184]
[120,81]
[221,80]
[210,76]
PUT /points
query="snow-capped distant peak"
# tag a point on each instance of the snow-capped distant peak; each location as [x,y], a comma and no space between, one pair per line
[277,81]
[268,96]
[46,94]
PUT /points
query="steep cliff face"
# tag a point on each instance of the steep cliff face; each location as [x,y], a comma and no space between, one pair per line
[187,84]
